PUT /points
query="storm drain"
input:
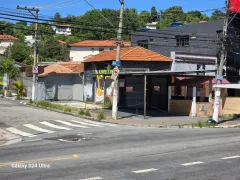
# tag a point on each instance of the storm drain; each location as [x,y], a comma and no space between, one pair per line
[72,138]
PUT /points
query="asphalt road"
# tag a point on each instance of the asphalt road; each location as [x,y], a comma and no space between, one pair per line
[122,152]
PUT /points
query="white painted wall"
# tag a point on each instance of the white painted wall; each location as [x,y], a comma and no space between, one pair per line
[82,53]
[4,45]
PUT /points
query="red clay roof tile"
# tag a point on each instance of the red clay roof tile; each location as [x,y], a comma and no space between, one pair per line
[129,54]
[63,68]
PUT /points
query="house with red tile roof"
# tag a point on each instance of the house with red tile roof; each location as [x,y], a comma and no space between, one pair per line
[98,85]
[5,42]
[61,81]
[82,50]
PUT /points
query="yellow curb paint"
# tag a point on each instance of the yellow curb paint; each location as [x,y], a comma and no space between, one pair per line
[75,156]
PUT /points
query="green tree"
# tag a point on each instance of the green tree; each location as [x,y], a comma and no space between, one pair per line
[50,50]
[20,51]
[154,14]
[145,17]
[19,89]
[71,39]
[7,66]
[217,14]
[57,17]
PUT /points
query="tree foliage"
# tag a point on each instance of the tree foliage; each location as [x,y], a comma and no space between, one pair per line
[20,51]
[92,25]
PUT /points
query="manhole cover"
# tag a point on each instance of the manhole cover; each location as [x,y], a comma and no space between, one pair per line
[71,138]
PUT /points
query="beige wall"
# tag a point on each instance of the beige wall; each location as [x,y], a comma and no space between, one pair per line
[181,107]
[231,105]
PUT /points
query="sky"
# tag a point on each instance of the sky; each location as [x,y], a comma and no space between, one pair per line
[79,7]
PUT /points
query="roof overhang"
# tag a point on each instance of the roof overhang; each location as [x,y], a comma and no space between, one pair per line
[227,86]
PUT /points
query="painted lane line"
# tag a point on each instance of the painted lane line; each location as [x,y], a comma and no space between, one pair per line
[102,124]
[192,163]
[231,157]
[16,131]
[144,170]
[38,128]
[54,126]
[70,124]
[92,178]
[88,124]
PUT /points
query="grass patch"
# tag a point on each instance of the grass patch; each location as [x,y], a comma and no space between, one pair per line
[201,124]
[81,112]
[101,116]
[64,108]
[87,113]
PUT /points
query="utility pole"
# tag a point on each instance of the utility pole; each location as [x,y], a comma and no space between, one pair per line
[119,42]
[35,67]
[223,58]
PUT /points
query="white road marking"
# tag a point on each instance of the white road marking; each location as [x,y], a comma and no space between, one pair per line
[54,126]
[103,124]
[192,163]
[92,178]
[38,128]
[88,124]
[70,124]
[232,157]
[16,131]
[144,170]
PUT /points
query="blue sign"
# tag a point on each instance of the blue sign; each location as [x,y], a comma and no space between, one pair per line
[116,63]
[219,77]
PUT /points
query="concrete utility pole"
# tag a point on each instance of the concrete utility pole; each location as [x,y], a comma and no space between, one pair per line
[223,58]
[35,67]
[119,42]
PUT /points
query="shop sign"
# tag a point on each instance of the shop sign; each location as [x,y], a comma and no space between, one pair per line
[156,88]
[129,89]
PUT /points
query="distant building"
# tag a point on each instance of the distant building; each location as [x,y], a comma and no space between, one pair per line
[62,29]
[29,39]
[5,42]
[84,49]
[152,25]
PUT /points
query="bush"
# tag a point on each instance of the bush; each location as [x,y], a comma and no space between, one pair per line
[81,112]
[108,104]
[200,124]
[87,113]
[67,109]
[101,116]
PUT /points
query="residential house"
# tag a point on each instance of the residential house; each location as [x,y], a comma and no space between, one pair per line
[62,29]
[82,50]
[98,83]
[61,81]
[152,25]
[5,42]
[29,39]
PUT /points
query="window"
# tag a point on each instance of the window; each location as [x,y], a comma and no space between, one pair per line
[193,36]
[101,49]
[143,43]
[182,41]
[111,48]
[92,49]
[165,40]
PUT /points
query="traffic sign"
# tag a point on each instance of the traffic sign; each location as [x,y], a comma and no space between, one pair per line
[35,70]
[115,73]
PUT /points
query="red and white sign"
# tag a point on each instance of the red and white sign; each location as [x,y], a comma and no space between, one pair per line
[156,88]
[129,89]
[35,69]
[115,73]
